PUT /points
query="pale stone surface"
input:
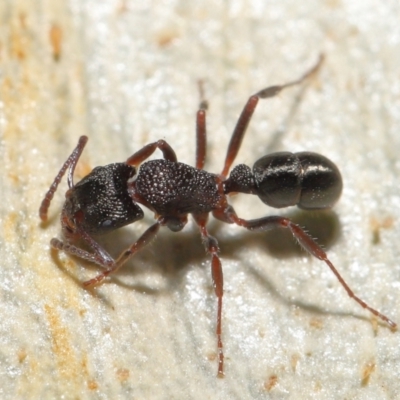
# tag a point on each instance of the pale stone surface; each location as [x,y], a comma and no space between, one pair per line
[125,73]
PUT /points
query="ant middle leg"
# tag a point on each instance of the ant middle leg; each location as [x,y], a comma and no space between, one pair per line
[248,110]
[201,129]
[211,246]
[146,151]
[308,244]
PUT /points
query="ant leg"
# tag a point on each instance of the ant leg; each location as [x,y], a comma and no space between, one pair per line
[248,110]
[201,131]
[101,258]
[211,246]
[147,236]
[71,162]
[309,244]
[145,152]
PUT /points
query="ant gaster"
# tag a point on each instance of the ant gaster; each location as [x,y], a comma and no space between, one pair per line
[108,198]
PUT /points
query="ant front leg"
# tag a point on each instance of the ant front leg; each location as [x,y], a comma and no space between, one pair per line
[146,237]
[211,246]
[100,256]
[305,241]
[248,110]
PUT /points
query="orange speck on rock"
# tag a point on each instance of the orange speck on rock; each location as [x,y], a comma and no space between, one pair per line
[55,36]
[271,382]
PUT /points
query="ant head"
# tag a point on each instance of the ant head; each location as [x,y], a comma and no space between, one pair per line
[100,202]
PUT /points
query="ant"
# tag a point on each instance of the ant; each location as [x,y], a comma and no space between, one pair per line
[108,198]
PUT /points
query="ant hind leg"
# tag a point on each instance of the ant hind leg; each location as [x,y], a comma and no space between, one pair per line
[308,244]
[248,110]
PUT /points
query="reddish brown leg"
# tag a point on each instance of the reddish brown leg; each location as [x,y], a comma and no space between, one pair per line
[201,131]
[145,152]
[201,139]
[211,246]
[100,256]
[307,243]
[71,162]
[248,110]
[147,236]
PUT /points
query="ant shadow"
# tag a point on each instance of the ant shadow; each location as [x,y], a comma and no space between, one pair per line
[278,134]
[171,254]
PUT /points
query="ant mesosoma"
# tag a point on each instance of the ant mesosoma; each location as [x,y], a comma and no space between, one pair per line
[108,198]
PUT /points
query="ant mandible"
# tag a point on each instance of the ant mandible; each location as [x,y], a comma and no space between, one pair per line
[108,198]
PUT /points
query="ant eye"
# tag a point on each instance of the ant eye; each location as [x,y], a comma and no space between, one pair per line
[107,223]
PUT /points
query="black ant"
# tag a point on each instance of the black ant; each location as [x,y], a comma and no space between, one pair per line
[108,198]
